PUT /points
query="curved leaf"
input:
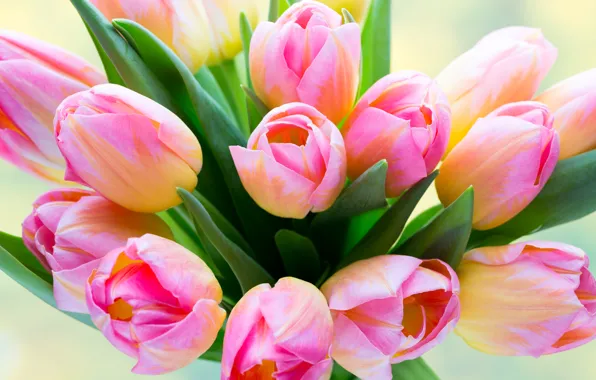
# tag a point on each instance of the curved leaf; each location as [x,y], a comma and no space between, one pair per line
[248,272]
[416,369]
[381,237]
[246,35]
[569,194]
[376,44]
[419,222]
[14,245]
[446,236]
[299,255]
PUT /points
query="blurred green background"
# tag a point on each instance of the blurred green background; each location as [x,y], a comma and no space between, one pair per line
[38,342]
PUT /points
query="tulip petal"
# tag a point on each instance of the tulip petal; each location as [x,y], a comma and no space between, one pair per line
[275,188]
[69,287]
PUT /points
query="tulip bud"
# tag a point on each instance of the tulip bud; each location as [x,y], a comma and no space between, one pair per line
[295,162]
[157,302]
[285,330]
[127,147]
[34,78]
[199,32]
[357,8]
[307,56]
[70,230]
[389,309]
[533,298]
[505,66]
[573,103]
[405,119]
[507,157]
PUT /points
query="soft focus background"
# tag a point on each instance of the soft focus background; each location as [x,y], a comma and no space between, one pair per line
[38,342]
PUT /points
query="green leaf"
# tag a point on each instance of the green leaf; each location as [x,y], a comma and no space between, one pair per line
[366,193]
[217,132]
[32,282]
[348,18]
[129,66]
[376,44]
[215,352]
[446,236]
[381,237]
[206,79]
[569,194]
[416,369]
[340,373]
[17,249]
[299,255]
[273,10]
[246,35]
[110,69]
[419,222]
[226,75]
[255,107]
[248,272]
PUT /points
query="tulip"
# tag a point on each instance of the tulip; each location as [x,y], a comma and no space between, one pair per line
[307,56]
[505,66]
[533,298]
[70,230]
[127,147]
[405,119]
[295,162]
[198,31]
[573,103]
[389,309]
[507,157]
[157,302]
[357,8]
[281,333]
[34,78]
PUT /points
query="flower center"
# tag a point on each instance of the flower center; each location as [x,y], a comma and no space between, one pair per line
[120,310]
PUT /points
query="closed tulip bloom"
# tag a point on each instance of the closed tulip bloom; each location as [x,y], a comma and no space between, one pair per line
[198,31]
[505,66]
[527,299]
[70,230]
[307,56]
[280,333]
[507,157]
[157,302]
[127,147]
[34,78]
[389,309]
[573,104]
[295,162]
[405,119]
[357,8]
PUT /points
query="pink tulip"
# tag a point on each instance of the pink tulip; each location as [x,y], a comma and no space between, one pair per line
[533,298]
[405,119]
[507,157]
[389,309]
[34,78]
[70,230]
[281,333]
[573,103]
[157,302]
[295,162]
[307,56]
[505,66]
[127,147]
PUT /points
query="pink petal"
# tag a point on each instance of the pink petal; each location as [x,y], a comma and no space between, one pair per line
[69,287]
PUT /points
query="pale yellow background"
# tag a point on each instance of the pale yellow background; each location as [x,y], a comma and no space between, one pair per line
[37,342]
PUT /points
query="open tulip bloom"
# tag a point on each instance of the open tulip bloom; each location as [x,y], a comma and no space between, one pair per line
[240,184]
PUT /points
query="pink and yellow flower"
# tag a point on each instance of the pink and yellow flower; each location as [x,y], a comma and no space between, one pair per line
[70,230]
[295,162]
[157,302]
[405,119]
[34,78]
[507,157]
[127,147]
[307,56]
[198,31]
[573,103]
[505,66]
[389,309]
[280,333]
[533,298]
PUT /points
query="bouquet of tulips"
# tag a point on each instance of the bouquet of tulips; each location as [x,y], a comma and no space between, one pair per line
[242,190]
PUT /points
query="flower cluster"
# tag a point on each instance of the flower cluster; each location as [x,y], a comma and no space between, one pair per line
[119,247]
